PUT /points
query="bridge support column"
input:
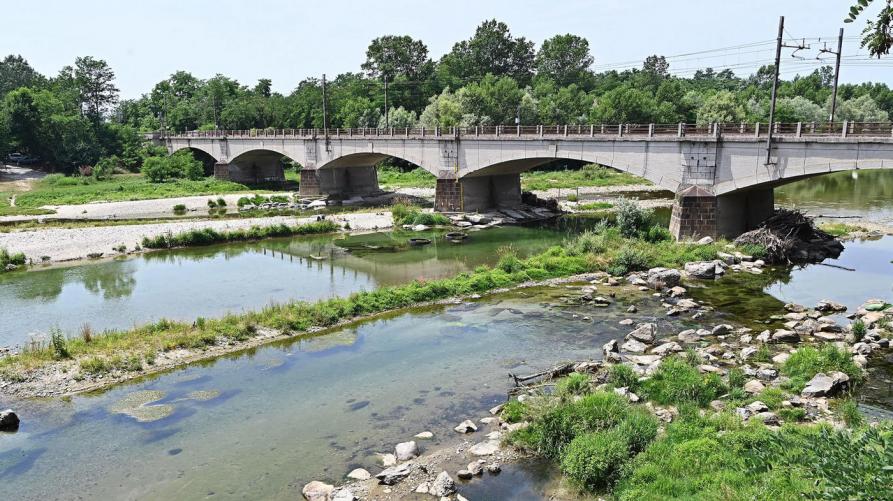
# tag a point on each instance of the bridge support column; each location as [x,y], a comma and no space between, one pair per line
[448,195]
[309,185]
[221,171]
[481,193]
[698,213]
[694,214]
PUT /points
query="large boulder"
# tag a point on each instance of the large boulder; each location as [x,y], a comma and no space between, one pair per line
[645,333]
[484,448]
[663,278]
[359,474]
[9,421]
[826,305]
[633,346]
[466,426]
[405,451]
[703,269]
[825,385]
[318,491]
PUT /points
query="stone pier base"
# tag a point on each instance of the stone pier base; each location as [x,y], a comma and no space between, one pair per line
[448,195]
[309,186]
[697,213]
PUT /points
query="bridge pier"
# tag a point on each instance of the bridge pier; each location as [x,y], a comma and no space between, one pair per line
[339,181]
[478,193]
[698,213]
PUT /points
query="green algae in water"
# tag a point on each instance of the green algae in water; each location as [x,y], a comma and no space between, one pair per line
[203,395]
[136,406]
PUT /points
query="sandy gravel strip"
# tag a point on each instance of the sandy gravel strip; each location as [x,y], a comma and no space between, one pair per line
[65,244]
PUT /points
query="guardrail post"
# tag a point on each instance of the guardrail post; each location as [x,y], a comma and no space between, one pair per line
[680,130]
[565,131]
[799,129]
[540,130]
[497,130]
[591,130]
[436,131]
[756,130]
[519,130]
[846,126]
[619,130]
[650,130]
[602,132]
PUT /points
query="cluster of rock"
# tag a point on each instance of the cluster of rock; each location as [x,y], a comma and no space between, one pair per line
[9,421]
[405,466]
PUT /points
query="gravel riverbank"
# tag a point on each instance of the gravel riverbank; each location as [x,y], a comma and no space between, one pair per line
[66,244]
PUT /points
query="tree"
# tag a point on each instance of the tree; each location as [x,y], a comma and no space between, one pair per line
[626,104]
[566,105]
[15,72]
[443,110]
[798,109]
[721,107]
[95,81]
[391,56]
[492,49]
[860,109]
[564,59]
[263,88]
[399,118]
[878,33]
[656,65]
[494,100]
[28,113]
[357,112]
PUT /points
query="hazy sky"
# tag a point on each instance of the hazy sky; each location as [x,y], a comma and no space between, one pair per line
[288,41]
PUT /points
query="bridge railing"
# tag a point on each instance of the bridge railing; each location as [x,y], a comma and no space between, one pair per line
[779,129]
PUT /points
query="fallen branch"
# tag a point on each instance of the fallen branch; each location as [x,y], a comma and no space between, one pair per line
[837,266]
[554,372]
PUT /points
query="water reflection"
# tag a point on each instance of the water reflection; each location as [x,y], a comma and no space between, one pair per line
[210,281]
[865,193]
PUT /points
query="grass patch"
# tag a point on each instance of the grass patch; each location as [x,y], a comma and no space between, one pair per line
[57,189]
[588,175]
[676,382]
[394,177]
[808,361]
[412,215]
[208,236]
[594,206]
[840,229]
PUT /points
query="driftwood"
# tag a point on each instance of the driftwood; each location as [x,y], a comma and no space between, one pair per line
[837,266]
[554,372]
[784,234]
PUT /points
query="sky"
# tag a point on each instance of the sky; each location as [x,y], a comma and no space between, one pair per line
[288,41]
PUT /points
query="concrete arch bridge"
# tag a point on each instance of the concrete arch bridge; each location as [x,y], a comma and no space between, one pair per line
[720,173]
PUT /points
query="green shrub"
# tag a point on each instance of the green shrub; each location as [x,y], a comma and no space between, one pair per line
[560,424]
[59,344]
[158,169]
[638,429]
[7,258]
[849,411]
[792,414]
[588,242]
[573,385]
[593,460]
[572,197]
[807,361]
[859,329]
[208,236]
[623,376]
[772,397]
[736,378]
[658,233]
[513,411]
[408,214]
[628,260]
[676,382]
[632,220]
[105,167]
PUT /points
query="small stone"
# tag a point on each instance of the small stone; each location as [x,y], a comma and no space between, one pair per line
[785,336]
[768,418]
[496,410]
[405,451]
[388,459]
[781,358]
[632,309]
[488,420]
[677,291]
[344,495]
[318,491]
[494,468]
[645,333]
[464,475]
[633,346]
[476,467]
[748,352]
[466,426]
[359,474]
[426,435]
[756,406]
[754,386]
[688,336]
[626,321]
[667,348]
[721,330]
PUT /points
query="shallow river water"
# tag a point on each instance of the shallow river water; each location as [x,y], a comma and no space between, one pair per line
[260,424]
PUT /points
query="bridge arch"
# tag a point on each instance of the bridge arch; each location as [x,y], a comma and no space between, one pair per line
[201,152]
[256,166]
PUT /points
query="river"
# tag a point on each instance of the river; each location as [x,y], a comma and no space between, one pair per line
[259,424]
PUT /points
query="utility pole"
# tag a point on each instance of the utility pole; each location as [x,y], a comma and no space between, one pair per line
[836,72]
[779,45]
[387,121]
[774,89]
[325,112]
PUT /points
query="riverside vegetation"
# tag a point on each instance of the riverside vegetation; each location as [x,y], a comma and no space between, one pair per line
[616,249]
[208,236]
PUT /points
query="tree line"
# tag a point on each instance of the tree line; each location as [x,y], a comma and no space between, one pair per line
[492,78]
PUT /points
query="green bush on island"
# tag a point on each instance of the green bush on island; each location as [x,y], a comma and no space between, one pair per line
[404,214]
[808,361]
[208,236]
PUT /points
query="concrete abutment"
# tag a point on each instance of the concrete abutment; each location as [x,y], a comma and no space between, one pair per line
[340,181]
[478,193]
